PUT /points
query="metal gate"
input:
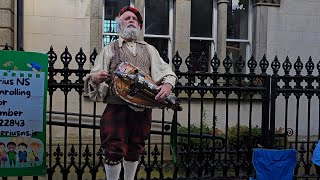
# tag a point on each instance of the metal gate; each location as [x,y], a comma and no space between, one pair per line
[225,116]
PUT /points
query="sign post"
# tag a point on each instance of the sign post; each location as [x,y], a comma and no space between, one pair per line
[23,91]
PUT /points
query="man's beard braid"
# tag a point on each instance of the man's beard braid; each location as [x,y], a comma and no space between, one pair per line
[130,33]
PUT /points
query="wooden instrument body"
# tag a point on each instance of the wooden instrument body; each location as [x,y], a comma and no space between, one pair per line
[137,88]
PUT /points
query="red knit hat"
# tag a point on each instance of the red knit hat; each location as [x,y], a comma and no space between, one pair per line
[135,11]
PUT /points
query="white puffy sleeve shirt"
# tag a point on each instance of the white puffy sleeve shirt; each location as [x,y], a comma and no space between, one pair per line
[161,72]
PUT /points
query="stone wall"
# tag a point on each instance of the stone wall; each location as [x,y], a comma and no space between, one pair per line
[7,23]
[293,30]
[59,23]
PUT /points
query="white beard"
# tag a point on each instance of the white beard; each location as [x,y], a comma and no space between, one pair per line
[130,33]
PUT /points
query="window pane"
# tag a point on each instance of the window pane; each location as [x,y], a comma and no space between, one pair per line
[160,44]
[109,38]
[237,19]
[111,11]
[157,17]
[110,26]
[197,47]
[235,50]
[201,18]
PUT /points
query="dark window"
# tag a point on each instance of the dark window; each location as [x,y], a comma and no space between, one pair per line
[237,26]
[160,44]
[111,11]
[235,50]
[113,7]
[200,50]
[157,17]
[201,18]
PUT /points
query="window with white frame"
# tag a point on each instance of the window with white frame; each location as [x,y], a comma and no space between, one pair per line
[158,23]
[239,33]
[203,29]
[110,27]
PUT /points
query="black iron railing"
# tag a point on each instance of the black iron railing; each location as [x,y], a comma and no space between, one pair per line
[227,113]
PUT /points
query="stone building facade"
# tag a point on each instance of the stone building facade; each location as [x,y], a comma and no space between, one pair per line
[272,27]
[80,24]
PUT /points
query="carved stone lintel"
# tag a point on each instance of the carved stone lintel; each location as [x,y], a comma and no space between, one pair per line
[267,3]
